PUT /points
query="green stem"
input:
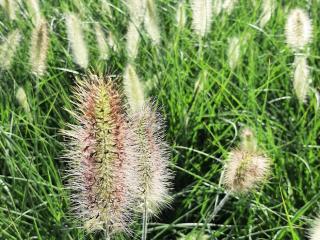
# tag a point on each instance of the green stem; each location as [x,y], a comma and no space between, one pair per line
[144,220]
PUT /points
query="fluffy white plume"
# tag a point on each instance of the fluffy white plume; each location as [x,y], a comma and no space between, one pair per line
[133,38]
[298,29]
[23,100]
[137,10]
[10,8]
[181,14]
[34,11]
[234,52]
[301,79]
[8,49]
[133,89]
[217,6]
[268,8]
[102,42]
[151,23]
[229,5]
[314,232]
[76,39]
[201,16]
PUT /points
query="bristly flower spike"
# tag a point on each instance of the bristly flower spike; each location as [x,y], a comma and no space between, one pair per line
[314,232]
[76,39]
[8,49]
[201,16]
[298,29]
[154,176]
[234,53]
[151,23]
[301,79]
[268,7]
[39,48]
[181,17]
[246,167]
[102,42]
[34,9]
[133,39]
[101,160]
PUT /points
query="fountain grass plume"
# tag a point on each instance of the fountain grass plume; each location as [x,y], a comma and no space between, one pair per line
[234,52]
[10,8]
[8,49]
[34,11]
[76,39]
[301,78]
[229,5]
[153,159]
[102,42]
[137,9]
[39,48]
[268,7]
[298,29]
[201,16]
[151,22]
[181,16]
[314,232]
[102,178]
[133,39]
[246,167]
[133,88]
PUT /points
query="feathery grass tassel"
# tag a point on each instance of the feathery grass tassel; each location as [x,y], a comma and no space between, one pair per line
[10,8]
[298,29]
[39,48]
[301,79]
[102,42]
[217,7]
[314,232]
[201,16]
[133,39]
[152,163]
[137,10]
[8,49]
[234,52]
[247,166]
[22,99]
[102,178]
[181,17]
[34,10]
[133,89]
[151,23]
[268,7]
[228,5]
[76,39]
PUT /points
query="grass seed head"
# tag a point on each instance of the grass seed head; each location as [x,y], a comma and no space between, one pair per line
[76,39]
[39,48]
[151,22]
[137,9]
[10,8]
[298,29]
[102,178]
[34,11]
[301,79]
[314,232]
[201,16]
[152,160]
[133,89]
[268,7]
[102,42]
[217,7]
[22,99]
[181,16]
[133,39]
[8,49]
[229,5]
[234,52]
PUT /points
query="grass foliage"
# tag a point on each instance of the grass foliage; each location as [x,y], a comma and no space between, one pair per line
[202,126]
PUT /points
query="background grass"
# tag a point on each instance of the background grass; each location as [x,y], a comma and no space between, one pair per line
[202,127]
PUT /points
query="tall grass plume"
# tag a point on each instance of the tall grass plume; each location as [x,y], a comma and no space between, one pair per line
[301,78]
[8,49]
[151,22]
[133,39]
[201,16]
[102,42]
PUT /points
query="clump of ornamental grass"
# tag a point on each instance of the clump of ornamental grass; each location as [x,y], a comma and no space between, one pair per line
[314,232]
[151,22]
[102,42]
[234,53]
[298,29]
[8,49]
[153,172]
[34,11]
[301,78]
[181,17]
[201,16]
[39,48]
[133,89]
[10,8]
[76,40]
[102,175]
[133,39]
[268,7]
[246,167]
